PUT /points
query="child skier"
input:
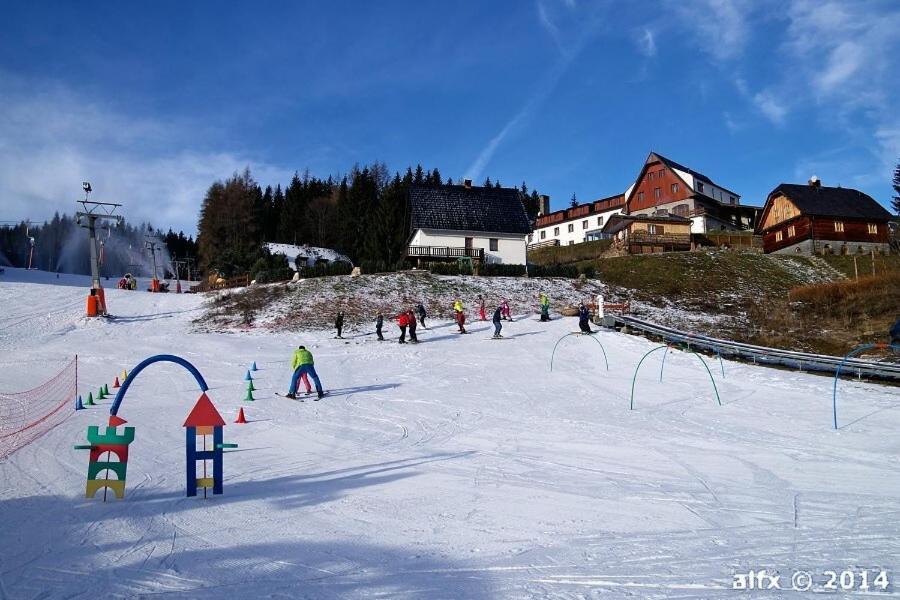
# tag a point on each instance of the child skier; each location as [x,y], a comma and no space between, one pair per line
[460,316]
[545,307]
[339,323]
[497,325]
[411,317]
[584,319]
[379,321]
[303,364]
[403,322]
[505,310]
[481,312]
[420,308]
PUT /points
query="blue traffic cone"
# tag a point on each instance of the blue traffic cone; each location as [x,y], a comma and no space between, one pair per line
[79,405]
[248,377]
[253,368]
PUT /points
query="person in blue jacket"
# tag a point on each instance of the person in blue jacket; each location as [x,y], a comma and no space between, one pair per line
[497,318]
[895,334]
[584,319]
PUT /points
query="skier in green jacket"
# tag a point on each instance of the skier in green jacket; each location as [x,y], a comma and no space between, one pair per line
[303,364]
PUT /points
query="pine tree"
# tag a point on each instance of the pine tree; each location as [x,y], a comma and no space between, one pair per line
[449,181]
[229,232]
[573,202]
[895,202]
[419,178]
[487,183]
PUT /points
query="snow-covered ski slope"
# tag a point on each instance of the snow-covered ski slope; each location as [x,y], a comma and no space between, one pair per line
[456,468]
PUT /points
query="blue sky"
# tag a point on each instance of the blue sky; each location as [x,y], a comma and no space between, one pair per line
[153,102]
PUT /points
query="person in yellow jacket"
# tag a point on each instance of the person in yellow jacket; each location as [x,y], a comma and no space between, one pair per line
[460,315]
[545,307]
[303,364]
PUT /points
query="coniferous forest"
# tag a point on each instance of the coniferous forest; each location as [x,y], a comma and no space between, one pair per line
[364,215]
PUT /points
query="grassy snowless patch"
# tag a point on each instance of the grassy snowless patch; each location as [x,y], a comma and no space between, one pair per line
[556,255]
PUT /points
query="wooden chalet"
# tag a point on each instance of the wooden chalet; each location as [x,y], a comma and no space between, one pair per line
[649,234]
[666,187]
[812,218]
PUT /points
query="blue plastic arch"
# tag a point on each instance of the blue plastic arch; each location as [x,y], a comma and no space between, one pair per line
[552,354]
[146,363]
[837,372]
[702,362]
[688,343]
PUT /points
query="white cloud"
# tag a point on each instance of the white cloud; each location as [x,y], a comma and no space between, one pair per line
[52,139]
[647,43]
[770,106]
[720,27]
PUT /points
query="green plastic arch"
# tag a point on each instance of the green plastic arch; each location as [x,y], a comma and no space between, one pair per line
[553,354]
[708,372]
[688,344]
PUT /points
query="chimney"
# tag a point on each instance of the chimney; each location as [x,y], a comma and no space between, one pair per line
[467,183]
[814,182]
[544,205]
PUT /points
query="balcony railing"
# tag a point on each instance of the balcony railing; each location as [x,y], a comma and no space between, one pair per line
[444,252]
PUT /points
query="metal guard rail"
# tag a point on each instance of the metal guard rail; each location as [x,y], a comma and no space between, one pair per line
[767,356]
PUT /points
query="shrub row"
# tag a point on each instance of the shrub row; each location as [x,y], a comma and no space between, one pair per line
[326,269]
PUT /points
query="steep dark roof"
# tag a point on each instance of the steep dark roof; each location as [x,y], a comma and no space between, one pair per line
[458,208]
[832,202]
[674,165]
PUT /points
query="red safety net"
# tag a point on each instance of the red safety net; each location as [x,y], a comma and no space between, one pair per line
[26,416]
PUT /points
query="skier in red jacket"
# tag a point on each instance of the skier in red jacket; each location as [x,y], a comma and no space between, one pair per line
[403,322]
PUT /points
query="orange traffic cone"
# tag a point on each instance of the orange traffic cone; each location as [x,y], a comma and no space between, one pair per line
[240,417]
[116,383]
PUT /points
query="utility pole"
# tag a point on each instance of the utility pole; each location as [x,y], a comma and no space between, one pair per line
[87,218]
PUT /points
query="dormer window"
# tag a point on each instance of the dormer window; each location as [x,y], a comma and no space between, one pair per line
[699,186]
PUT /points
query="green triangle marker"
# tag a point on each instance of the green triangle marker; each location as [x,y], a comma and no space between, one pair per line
[90,400]
[249,397]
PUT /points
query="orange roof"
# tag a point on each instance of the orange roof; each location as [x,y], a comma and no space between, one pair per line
[204,414]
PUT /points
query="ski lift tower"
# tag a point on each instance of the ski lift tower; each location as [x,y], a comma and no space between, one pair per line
[87,218]
[150,246]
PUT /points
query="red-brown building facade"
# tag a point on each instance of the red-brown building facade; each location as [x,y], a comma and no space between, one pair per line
[810,219]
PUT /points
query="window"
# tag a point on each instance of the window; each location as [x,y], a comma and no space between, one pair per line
[657,192]
[791,231]
[674,188]
[732,199]
[660,173]
[681,210]
[655,229]
[873,228]
[641,196]
[543,235]
[699,186]
[599,221]
[584,224]
[571,227]
[839,226]
[778,236]
[571,242]
[650,176]
[555,231]
[493,242]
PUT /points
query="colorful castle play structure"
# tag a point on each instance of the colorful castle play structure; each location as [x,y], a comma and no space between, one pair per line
[202,422]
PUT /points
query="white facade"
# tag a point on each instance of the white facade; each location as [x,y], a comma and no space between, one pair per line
[709,189]
[510,247]
[580,226]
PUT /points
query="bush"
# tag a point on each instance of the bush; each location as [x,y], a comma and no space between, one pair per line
[500,270]
[568,271]
[325,270]
[269,268]
[380,266]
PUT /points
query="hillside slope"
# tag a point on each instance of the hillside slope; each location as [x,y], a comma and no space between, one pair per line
[460,467]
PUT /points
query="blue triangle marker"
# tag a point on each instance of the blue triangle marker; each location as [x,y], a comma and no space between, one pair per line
[78,404]
[253,368]
[248,377]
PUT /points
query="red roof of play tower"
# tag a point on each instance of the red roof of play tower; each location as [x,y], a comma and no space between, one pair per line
[204,414]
